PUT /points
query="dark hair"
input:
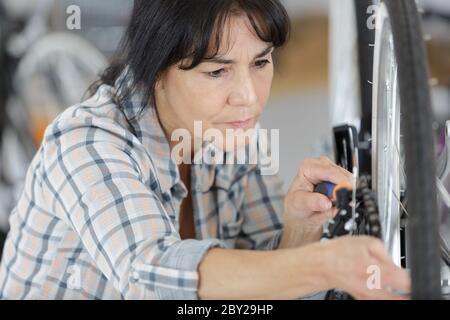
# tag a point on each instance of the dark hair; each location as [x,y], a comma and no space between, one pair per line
[161,33]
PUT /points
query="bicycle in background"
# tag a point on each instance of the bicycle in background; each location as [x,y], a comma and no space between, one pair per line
[43,72]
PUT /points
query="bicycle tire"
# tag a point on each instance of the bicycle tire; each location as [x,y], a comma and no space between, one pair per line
[416,126]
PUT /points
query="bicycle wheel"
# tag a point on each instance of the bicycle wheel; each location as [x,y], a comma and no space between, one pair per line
[55,73]
[351,70]
[403,162]
[60,66]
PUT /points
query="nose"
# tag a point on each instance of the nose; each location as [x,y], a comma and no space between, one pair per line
[243,92]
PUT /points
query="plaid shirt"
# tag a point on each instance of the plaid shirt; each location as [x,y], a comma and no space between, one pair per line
[99,214]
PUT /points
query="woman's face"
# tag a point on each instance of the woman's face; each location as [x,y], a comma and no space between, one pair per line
[222,92]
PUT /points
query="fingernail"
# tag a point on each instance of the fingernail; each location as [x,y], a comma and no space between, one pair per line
[325,204]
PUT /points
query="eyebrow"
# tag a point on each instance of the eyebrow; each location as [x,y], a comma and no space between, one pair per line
[227,61]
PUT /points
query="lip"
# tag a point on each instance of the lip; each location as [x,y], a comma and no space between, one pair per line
[239,124]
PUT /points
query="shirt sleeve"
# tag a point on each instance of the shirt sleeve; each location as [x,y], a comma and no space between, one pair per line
[121,222]
[262,210]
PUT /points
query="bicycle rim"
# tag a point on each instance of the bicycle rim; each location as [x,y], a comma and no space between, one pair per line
[403,145]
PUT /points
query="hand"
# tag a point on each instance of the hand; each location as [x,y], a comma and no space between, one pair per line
[351,261]
[306,208]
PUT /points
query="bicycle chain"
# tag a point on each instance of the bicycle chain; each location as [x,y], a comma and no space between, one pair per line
[373,225]
[367,221]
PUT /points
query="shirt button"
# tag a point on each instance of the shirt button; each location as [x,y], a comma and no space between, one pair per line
[135,277]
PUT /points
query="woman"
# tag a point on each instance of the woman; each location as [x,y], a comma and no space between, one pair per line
[107,212]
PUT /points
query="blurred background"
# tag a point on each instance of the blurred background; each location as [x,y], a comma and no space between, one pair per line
[47,63]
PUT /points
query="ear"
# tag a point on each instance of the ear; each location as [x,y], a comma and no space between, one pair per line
[159,85]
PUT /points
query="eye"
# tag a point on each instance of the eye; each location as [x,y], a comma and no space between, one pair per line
[216,74]
[261,63]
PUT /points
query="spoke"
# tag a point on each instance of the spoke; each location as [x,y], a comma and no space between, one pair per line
[444,242]
[443,191]
[355,178]
[400,203]
[402,162]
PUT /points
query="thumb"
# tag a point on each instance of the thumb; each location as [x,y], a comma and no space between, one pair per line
[311,201]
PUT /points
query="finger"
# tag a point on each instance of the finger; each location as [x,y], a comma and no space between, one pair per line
[378,251]
[317,172]
[334,211]
[392,276]
[378,290]
[360,290]
[313,171]
[396,279]
[328,214]
[300,181]
[310,201]
[319,218]
[380,294]
[326,160]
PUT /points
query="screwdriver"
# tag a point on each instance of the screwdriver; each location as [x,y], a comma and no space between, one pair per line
[330,189]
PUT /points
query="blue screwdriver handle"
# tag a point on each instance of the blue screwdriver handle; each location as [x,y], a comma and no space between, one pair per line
[326,188]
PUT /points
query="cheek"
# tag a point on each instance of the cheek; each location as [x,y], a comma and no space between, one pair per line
[195,98]
[208,105]
[263,85]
